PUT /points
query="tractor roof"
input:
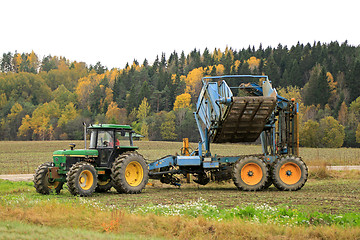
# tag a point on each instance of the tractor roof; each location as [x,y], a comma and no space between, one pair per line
[110,126]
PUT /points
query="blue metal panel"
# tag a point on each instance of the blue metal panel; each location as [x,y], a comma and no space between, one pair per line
[210,164]
[228,159]
[188,161]
[164,162]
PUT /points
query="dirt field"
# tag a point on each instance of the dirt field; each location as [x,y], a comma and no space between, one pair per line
[24,157]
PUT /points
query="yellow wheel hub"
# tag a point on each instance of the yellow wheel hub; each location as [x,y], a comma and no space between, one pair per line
[290,173]
[52,185]
[86,179]
[134,173]
[251,173]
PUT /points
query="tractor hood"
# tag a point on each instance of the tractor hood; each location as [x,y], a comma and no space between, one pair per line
[77,153]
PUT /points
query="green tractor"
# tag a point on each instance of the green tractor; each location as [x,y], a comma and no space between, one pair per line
[108,162]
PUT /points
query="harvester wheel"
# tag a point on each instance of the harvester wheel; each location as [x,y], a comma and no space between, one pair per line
[202,179]
[82,179]
[269,180]
[103,185]
[129,173]
[289,174]
[250,174]
[42,183]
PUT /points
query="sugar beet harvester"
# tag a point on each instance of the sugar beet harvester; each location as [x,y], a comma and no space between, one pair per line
[241,114]
[221,117]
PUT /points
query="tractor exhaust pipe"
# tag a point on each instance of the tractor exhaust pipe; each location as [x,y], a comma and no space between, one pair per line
[84,133]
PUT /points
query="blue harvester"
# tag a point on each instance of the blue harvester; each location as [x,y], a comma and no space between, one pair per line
[242,111]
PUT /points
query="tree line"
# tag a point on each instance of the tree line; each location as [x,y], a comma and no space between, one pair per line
[50,98]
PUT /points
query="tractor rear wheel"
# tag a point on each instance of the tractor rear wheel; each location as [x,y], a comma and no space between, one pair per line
[82,179]
[42,183]
[129,173]
[289,174]
[250,174]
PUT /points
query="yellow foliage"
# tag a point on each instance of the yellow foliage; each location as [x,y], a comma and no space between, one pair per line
[217,54]
[236,65]
[253,63]
[33,60]
[220,69]
[86,86]
[68,114]
[109,95]
[182,101]
[17,60]
[193,81]
[144,110]
[40,122]
[112,75]
[115,114]
[331,82]
[3,100]
[15,110]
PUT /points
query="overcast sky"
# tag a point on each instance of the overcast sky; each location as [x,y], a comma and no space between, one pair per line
[116,32]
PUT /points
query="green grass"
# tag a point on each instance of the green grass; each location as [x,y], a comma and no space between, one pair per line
[24,157]
[19,230]
[329,206]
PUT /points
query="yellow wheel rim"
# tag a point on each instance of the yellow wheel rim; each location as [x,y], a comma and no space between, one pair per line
[52,185]
[290,173]
[251,173]
[86,179]
[134,173]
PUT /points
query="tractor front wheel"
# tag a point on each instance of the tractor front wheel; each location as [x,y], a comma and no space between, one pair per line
[82,179]
[250,174]
[42,183]
[129,173]
[289,174]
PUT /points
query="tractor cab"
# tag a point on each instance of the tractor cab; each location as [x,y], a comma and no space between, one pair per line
[110,140]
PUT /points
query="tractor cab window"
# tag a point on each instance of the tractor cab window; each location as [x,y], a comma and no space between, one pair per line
[105,139]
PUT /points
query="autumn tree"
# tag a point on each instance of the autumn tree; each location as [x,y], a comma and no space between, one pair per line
[115,114]
[168,127]
[331,133]
[309,134]
[182,101]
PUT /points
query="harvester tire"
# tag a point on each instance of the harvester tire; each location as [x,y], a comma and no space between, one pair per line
[129,173]
[202,179]
[42,183]
[103,186]
[269,180]
[289,174]
[82,179]
[250,174]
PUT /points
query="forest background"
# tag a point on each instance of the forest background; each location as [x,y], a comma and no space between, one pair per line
[50,98]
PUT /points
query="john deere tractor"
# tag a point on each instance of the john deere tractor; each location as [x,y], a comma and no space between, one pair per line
[107,163]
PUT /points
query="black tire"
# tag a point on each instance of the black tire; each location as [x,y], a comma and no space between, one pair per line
[42,183]
[269,180]
[250,174]
[103,185]
[289,174]
[82,179]
[129,173]
[202,179]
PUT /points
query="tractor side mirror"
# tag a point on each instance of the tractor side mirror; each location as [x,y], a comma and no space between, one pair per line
[122,133]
